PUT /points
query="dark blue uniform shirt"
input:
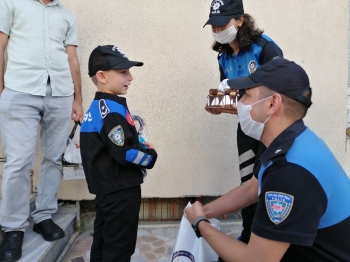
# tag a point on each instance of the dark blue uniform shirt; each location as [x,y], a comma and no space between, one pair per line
[304,198]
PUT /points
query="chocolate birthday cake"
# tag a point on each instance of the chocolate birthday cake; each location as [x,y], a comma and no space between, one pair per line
[218,98]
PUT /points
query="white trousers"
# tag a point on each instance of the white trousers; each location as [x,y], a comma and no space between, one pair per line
[20,116]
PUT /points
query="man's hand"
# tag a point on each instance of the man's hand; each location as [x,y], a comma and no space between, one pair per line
[3,43]
[77,112]
[195,211]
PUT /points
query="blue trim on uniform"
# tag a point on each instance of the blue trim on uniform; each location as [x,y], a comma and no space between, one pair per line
[142,159]
[320,162]
[93,121]
[131,155]
[311,153]
[260,173]
[235,66]
[150,160]
[116,107]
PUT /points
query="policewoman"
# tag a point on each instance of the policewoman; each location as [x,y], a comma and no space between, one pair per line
[242,48]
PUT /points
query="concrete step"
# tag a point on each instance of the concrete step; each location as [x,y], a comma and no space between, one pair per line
[32,198]
[35,248]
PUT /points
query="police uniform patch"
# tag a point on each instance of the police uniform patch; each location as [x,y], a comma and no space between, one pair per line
[252,66]
[278,205]
[104,110]
[182,256]
[117,136]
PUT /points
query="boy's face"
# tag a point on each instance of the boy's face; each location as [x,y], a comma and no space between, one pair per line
[116,81]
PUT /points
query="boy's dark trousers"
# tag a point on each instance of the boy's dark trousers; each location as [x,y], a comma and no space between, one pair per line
[115,226]
[246,146]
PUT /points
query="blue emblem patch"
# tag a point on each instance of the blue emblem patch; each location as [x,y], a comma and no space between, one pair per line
[278,206]
[182,256]
[117,136]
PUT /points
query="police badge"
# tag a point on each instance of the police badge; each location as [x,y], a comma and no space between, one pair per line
[278,206]
[252,66]
[117,136]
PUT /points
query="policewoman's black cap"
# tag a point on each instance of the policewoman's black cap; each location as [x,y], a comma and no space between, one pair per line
[222,11]
[280,75]
[109,57]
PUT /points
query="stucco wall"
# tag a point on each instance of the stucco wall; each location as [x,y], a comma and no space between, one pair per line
[197,152]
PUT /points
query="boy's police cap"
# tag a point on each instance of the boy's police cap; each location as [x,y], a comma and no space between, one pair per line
[108,57]
[222,11]
[280,75]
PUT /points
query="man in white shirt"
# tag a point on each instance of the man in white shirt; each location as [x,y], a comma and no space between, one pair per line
[40,85]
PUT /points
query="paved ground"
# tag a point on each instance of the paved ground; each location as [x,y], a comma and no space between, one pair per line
[155,242]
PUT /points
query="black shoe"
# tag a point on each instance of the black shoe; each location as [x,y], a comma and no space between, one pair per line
[49,230]
[11,247]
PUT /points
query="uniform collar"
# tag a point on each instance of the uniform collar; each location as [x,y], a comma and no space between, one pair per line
[118,99]
[283,142]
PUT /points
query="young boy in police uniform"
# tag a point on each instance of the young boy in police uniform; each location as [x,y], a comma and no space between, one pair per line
[112,157]
[303,193]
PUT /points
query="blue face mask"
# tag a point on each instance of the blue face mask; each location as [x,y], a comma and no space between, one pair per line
[249,126]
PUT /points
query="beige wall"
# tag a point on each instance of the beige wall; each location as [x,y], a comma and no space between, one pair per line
[197,152]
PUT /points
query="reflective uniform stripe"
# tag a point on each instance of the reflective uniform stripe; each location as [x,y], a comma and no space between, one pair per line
[247,170]
[246,156]
[139,157]
[147,160]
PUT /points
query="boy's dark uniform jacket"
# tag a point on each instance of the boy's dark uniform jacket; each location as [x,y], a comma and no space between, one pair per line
[111,154]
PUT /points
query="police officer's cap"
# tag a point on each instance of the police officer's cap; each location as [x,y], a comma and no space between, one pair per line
[280,75]
[109,57]
[222,11]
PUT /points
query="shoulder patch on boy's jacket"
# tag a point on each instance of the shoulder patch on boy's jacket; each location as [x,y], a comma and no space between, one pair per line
[117,136]
[278,205]
[104,110]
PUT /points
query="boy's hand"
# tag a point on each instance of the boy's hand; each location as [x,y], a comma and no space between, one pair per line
[149,145]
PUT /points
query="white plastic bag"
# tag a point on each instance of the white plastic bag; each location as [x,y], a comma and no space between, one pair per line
[189,248]
[72,153]
[71,159]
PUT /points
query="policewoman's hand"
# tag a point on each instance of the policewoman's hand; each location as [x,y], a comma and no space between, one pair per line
[232,109]
[223,85]
[211,110]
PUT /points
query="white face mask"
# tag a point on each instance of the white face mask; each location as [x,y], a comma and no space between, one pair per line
[226,36]
[249,126]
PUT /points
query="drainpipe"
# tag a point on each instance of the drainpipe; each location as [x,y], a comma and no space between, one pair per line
[68,246]
[71,241]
